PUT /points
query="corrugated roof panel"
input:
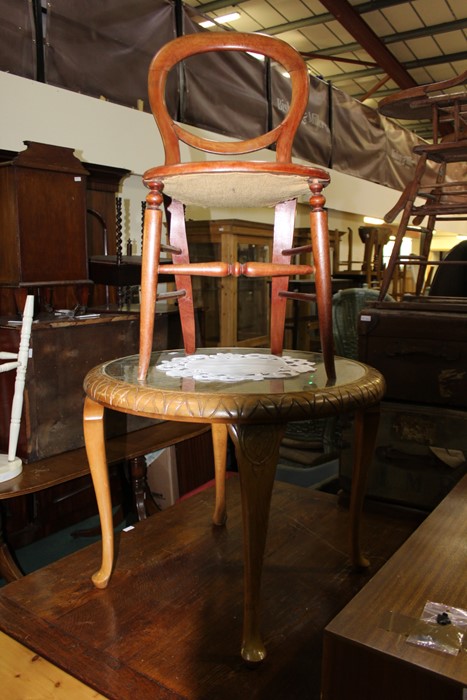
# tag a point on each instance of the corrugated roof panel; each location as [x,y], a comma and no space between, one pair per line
[403,17]
[452,41]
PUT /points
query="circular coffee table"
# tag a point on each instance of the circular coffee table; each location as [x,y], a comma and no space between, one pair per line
[255,414]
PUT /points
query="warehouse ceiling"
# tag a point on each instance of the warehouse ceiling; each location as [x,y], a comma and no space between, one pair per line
[367,49]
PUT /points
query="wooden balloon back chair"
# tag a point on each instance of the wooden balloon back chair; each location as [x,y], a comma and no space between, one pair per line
[423,204]
[227,181]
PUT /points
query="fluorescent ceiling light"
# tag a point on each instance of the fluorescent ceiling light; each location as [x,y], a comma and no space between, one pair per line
[224,19]
[258,56]
[372,220]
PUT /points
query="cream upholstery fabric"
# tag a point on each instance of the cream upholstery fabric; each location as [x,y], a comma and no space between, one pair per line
[235,189]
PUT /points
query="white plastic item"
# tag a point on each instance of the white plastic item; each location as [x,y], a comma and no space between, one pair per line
[10,464]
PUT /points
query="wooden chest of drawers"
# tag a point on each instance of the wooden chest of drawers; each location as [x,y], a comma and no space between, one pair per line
[62,352]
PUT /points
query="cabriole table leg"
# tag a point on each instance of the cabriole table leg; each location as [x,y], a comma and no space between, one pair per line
[257,452]
[366,428]
[93,426]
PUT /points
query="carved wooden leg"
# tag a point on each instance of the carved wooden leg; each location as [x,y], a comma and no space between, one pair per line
[93,425]
[8,567]
[139,485]
[366,428]
[219,446]
[257,451]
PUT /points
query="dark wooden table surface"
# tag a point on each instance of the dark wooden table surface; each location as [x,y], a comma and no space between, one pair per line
[367,641]
[169,626]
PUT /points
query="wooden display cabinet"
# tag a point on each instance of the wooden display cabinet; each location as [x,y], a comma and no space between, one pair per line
[236,310]
[42,223]
[55,213]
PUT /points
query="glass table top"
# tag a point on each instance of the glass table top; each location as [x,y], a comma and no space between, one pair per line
[305,394]
[313,378]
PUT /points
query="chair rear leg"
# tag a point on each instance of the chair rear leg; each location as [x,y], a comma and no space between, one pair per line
[284,222]
[183,283]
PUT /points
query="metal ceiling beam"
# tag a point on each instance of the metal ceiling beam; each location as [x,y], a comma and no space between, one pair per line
[328,16]
[353,23]
[392,38]
[408,65]
[217,5]
[363,7]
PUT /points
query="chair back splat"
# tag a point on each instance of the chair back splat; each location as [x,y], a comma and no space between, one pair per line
[231,182]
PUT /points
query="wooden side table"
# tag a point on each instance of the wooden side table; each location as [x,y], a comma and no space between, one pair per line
[255,414]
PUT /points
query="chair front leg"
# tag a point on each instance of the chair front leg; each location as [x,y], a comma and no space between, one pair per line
[94,439]
[149,276]
[322,262]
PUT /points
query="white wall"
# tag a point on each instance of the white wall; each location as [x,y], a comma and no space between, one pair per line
[102,132]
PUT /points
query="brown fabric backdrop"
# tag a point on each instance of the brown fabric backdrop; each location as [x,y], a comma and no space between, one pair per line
[358,138]
[17,47]
[224,92]
[313,139]
[105,47]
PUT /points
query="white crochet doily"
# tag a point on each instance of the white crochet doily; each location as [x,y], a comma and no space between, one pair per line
[231,367]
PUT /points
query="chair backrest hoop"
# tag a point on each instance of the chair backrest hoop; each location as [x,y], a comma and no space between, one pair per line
[183,47]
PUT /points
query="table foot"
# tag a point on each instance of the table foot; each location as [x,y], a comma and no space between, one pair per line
[253,654]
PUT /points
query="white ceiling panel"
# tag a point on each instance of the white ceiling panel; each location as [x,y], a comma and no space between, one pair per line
[320,35]
[403,52]
[451,42]
[290,10]
[433,12]
[457,7]
[339,32]
[423,47]
[315,7]
[262,11]
[403,17]
[379,23]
